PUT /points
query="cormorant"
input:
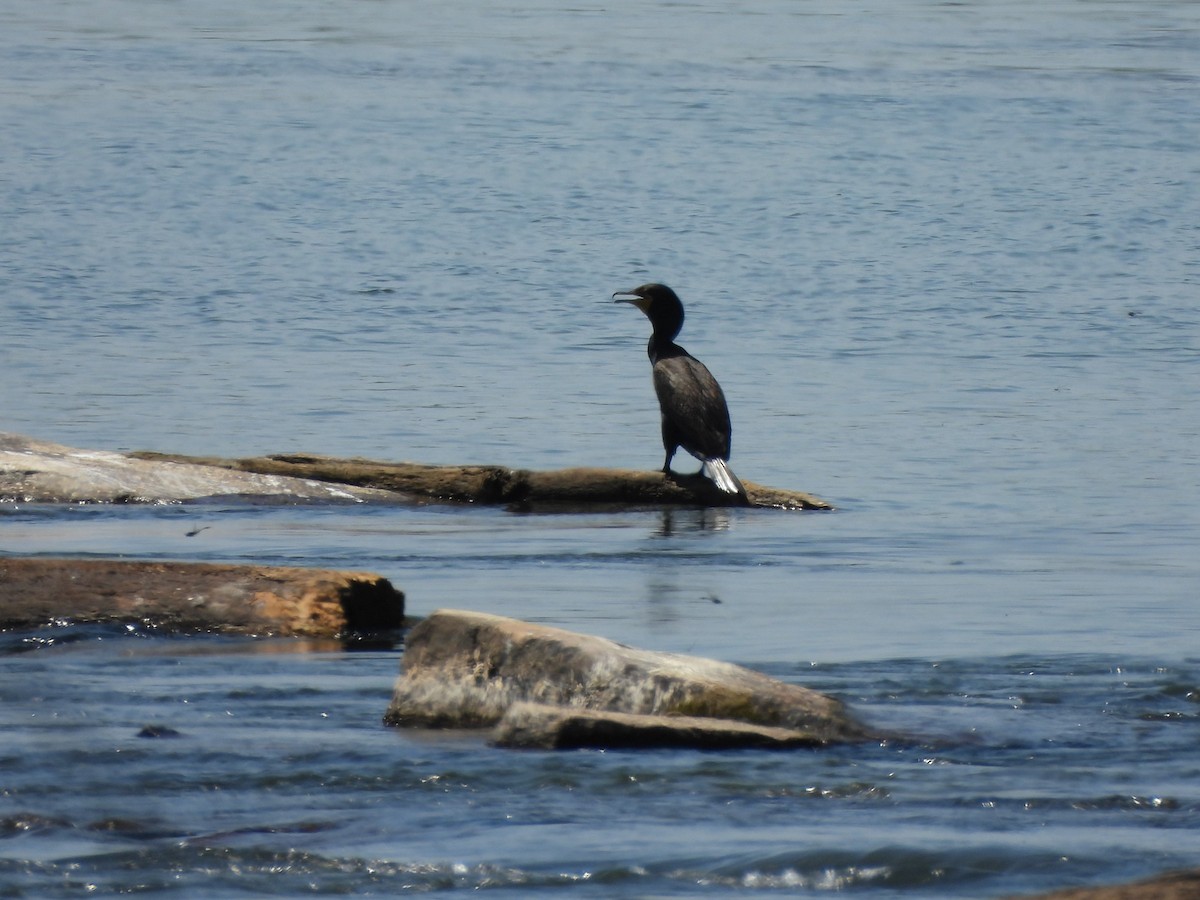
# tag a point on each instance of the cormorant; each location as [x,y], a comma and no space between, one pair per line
[694,413]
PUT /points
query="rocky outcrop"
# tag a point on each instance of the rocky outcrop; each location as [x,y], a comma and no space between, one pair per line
[520,489]
[197,597]
[537,726]
[1171,886]
[33,471]
[469,670]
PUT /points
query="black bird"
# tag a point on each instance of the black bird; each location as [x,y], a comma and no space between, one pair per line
[694,413]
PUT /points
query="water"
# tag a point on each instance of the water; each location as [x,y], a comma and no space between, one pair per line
[943,259]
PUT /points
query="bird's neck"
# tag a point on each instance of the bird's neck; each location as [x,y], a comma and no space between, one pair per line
[661,347]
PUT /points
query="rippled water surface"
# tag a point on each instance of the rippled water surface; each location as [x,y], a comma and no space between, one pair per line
[943,259]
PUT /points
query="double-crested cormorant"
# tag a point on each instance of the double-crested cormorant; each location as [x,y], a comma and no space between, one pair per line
[694,413]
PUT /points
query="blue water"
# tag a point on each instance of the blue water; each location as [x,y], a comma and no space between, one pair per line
[944,259]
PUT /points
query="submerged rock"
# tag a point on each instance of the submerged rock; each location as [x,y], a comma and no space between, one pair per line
[159,731]
[190,597]
[468,670]
[33,471]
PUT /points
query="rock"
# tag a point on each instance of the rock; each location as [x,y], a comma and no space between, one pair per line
[534,725]
[465,670]
[33,471]
[159,731]
[189,597]
[1171,886]
[561,490]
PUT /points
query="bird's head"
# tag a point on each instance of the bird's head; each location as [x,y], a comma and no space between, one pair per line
[660,304]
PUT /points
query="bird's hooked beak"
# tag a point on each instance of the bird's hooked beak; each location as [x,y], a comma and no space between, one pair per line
[634,298]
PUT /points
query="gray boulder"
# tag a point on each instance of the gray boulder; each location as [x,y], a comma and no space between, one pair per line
[536,726]
[467,670]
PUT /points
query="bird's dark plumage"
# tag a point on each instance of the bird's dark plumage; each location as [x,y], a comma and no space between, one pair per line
[694,413]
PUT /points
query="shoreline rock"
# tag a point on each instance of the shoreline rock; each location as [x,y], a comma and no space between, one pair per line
[197,597]
[1183,885]
[469,670]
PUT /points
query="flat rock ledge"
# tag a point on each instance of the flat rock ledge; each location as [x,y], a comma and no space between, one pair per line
[561,490]
[197,597]
[34,471]
[539,686]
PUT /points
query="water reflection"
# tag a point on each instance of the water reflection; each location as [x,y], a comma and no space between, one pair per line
[692,521]
[136,640]
[662,600]
[676,588]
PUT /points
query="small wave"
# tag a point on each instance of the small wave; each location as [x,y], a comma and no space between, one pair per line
[222,872]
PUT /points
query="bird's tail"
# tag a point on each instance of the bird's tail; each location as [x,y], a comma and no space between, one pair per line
[718,472]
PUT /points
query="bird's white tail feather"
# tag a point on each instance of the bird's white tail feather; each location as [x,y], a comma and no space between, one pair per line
[718,472]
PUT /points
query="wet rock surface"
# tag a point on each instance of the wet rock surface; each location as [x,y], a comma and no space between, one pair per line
[468,670]
[197,597]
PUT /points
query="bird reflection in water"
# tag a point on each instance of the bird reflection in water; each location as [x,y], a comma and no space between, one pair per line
[685,520]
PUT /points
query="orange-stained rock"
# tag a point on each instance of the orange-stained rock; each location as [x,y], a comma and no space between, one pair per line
[190,597]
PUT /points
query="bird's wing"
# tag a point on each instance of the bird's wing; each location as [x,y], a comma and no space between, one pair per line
[694,404]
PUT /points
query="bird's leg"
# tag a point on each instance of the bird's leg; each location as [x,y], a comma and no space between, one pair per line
[667,462]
